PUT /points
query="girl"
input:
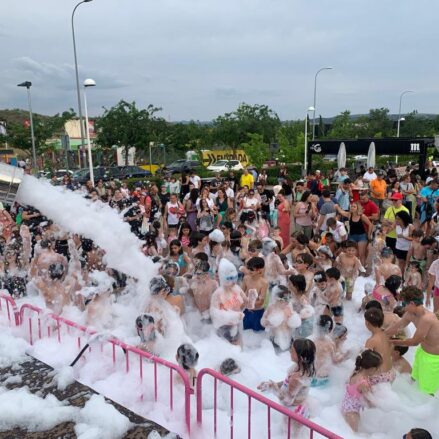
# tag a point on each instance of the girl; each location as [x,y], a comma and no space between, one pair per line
[205,217]
[177,255]
[305,213]
[387,294]
[190,206]
[414,275]
[366,365]
[293,391]
[302,305]
[404,228]
[184,234]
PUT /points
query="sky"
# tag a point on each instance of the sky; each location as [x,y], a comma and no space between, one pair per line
[197,59]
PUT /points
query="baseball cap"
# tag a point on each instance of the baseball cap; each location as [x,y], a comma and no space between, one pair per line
[396,196]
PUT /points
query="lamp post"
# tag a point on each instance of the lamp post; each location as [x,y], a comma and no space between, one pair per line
[81,126]
[28,85]
[305,164]
[315,99]
[88,83]
[399,115]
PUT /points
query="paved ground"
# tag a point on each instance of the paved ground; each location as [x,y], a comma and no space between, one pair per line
[38,377]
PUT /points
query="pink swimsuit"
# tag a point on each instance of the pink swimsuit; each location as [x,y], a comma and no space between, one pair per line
[353,400]
[376,295]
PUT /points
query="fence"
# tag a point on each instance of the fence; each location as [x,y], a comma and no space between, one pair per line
[251,395]
[44,325]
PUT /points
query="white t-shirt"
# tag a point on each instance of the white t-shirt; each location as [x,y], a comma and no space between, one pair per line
[172,213]
[369,177]
[230,193]
[339,232]
[434,271]
[403,243]
[195,180]
[209,200]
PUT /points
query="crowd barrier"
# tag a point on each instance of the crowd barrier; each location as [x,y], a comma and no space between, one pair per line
[47,323]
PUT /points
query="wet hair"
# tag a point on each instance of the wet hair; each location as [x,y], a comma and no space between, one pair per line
[417,265]
[399,310]
[387,252]
[375,317]
[46,243]
[333,273]
[412,294]
[56,271]
[373,304]
[302,239]
[187,356]
[158,284]
[339,330]
[404,217]
[299,282]
[306,352]
[350,244]
[325,324]
[281,292]
[320,276]
[195,238]
[368,359]
[255,263]
[87,245]
[393,283]
[306,258]
[417,233]
[141,321]
[428,240]
[201,265]
[420,433]
[176,243]
[229,366]
[401,349]
[255,244]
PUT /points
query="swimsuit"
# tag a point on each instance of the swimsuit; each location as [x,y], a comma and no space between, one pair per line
[353,401]
[384,377]
[319,381]
[426,371]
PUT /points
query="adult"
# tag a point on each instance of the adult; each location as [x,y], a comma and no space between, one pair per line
[247,179]
[389,218]
[284,220]
[265,197]
[222,203]
[195,180]
[173,211]
[428,196]
[343,194]
[370,209]
[328,210]
[185,180]
[409,192]
[404,229]
[426,364]
[263,177]
[378,189]
[190,206]
[305,213]
[417,433]
[369,175]
[230,193]
[299,189]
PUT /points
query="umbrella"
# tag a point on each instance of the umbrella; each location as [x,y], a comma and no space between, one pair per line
[371,156]
[341,156]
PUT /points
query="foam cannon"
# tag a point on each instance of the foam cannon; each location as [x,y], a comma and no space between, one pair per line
[10,180]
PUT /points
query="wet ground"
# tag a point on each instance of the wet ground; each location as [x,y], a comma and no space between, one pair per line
[38,377]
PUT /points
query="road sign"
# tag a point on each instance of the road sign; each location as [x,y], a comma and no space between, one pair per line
[212,156]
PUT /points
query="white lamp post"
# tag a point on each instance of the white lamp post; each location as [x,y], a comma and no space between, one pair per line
[305,164]
[399,115]
[88,83]
[315,99]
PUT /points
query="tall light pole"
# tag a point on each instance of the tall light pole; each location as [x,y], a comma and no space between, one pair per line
[399,115]
[28,85]
[315,100]
[76,71]
[88,83]
[305,164]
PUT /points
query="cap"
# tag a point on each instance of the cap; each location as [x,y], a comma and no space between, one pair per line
[396,196]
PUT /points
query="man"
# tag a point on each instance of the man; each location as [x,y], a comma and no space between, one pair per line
[369,175]
[378,188]
[428,195]
[370,209]
[426,365]
[343,195]
[230,193]
[265,197]
[328,210]
[195,180]
[298,191]
[389,218]
[247,179]
[314,184]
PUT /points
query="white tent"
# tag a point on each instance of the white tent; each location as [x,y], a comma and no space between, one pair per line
[341,156]
[371,156]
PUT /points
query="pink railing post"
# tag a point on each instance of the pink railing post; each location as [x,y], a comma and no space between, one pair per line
[10,304]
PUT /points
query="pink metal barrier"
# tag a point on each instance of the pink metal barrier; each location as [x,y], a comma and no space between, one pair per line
[252,395]
[8,303]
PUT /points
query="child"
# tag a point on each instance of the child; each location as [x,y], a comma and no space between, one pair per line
[334,293]
[324,258]
[385,267]
[187,358]
[338,230]
[254,284]
[317,293]
[379,342]
[400,364]
[303,263]
[302,306]
[355,398]
[145,326]
[293,391]
[417,252]
[276,236]
[414,275]
[229,367]
[350,267]
[280,319]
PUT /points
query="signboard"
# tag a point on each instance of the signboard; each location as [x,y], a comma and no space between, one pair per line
[212,156]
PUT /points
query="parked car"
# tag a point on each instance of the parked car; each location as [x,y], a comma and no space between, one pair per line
[130,171]
[81,176]
[61,173]
[226,165]
[180,166]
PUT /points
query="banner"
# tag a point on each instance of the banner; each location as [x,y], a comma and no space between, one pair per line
[212,156]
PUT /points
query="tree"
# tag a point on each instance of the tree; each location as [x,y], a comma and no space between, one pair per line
[232,129]
[290,137]
[378,123]
[18,134]
[126,126]
[344,127]
[256,149]
[417,126]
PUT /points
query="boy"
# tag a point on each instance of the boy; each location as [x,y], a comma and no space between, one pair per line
[400,364]
[317,294]
[385,267]
[302,266]
[255,283]
[417,252]
[379,342]
[334,293]
[349,266]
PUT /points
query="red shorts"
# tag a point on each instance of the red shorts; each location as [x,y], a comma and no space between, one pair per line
[436,292]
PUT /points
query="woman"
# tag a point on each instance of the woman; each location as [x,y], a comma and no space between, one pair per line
[404,229]
[249,203]
[184,185]
[409,192]
[284,220]
[263,177]
[222,203]
[6,223]
[360,228]
[305,213]
[206,217]
[394,188]
[190,206]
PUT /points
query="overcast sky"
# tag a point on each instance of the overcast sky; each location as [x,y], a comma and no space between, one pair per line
[200,58]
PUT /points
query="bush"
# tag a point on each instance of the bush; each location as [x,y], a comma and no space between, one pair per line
[153,179]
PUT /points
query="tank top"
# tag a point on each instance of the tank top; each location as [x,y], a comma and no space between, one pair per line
[402,243]
[356,227]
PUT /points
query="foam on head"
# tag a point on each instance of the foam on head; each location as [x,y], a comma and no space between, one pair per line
[227,273]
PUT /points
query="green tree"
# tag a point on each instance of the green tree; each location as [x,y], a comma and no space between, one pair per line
[290,137]
[378,123]
[127,126]
[256,149]
[415,125]
[343,126]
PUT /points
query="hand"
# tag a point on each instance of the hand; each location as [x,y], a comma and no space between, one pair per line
[428,302]
[266,385]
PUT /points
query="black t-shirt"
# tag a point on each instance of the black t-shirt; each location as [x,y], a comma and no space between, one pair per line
[287,189]
[266,197]
[164,198]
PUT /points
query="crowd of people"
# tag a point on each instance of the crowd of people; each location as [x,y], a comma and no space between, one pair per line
[281,260]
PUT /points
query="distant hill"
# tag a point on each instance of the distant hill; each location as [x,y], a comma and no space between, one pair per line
[17,116]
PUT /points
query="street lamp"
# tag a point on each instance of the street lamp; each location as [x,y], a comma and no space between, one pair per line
[76,71]
[305,164]
[315,98]
[28,85]
[89,83]
[399,116]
